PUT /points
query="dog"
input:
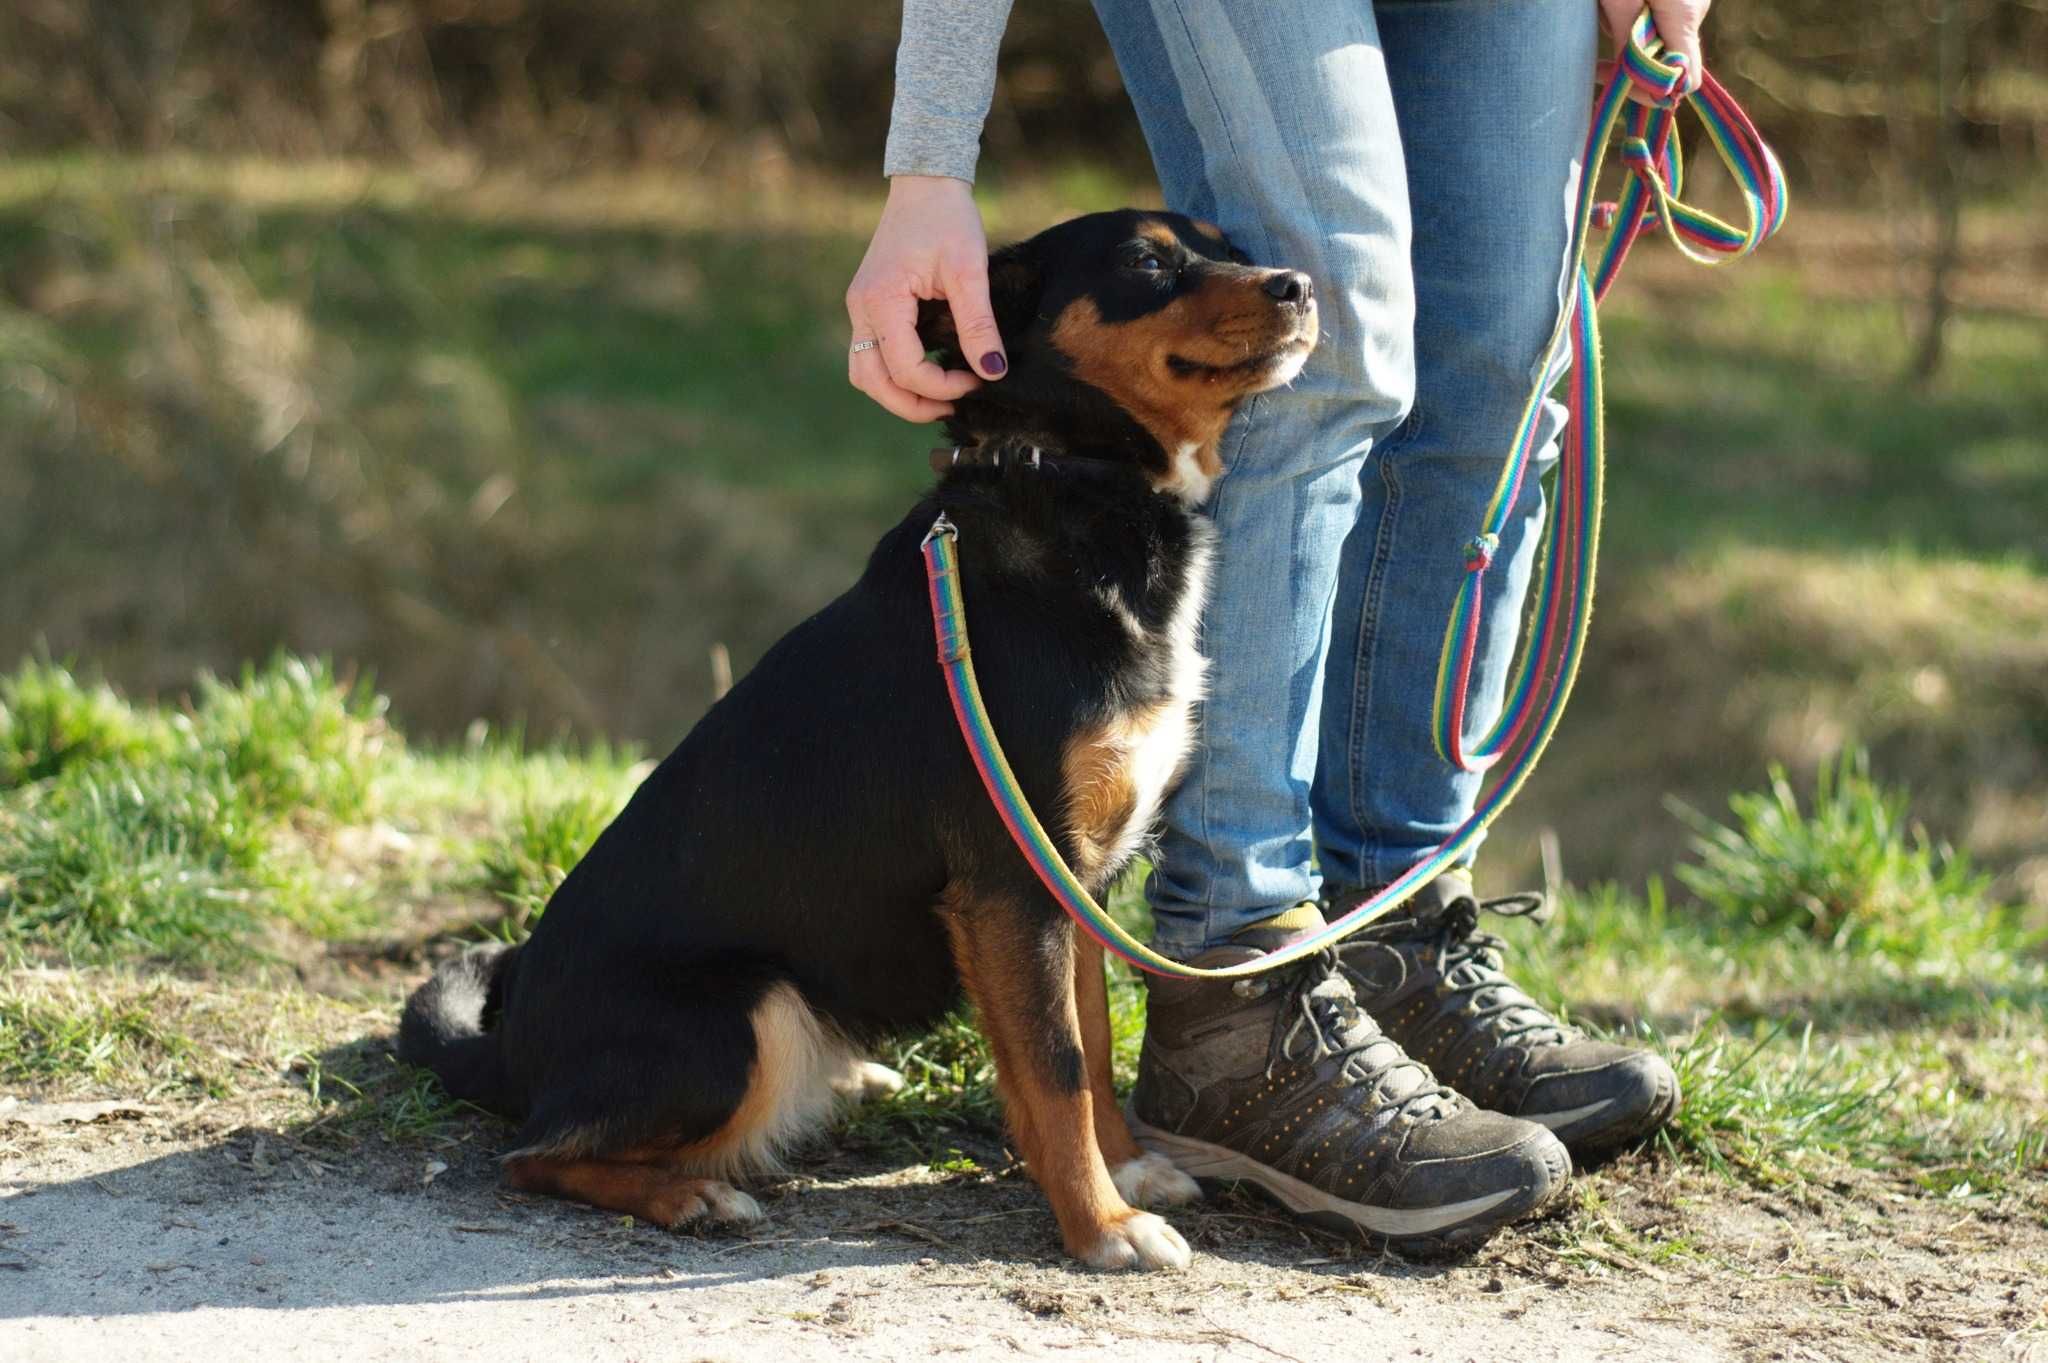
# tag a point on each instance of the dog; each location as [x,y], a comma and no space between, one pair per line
[817,866]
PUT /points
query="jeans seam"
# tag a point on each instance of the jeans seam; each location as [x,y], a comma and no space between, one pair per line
[1208,85]
[1370,846]
[1403,434]
[1208,901]
[1247,418]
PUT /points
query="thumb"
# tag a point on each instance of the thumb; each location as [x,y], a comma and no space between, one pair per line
[974,320]
[1678,24]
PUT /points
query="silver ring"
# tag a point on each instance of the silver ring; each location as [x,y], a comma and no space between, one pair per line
[859,346]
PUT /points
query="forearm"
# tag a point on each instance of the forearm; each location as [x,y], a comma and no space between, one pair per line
[945,78]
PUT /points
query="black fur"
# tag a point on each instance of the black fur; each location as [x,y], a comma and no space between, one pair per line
[448,1022]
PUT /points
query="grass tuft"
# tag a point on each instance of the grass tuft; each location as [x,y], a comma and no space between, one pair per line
[295,737]
[1849,871]
[137,833]
[528,861]
[361,1090]
[112,1033]
[1755,1108]
[50,720]
[150,859]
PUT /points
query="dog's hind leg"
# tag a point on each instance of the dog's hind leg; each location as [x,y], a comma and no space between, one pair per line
[1144,1179]
[641,1183]
[659,1130]
[1020,971]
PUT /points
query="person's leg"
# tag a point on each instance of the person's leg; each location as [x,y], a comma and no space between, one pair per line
[1276,123]
[1493,98]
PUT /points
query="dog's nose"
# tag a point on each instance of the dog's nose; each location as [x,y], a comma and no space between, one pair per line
[1290,286]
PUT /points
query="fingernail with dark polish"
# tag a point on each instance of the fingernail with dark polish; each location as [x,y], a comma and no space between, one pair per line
[993,363]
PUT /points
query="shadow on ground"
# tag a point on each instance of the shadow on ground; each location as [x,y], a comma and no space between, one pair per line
[311,1215]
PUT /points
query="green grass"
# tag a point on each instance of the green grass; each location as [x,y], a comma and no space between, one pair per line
[144,1035]
[1899,1031]
[153,1039]
[132,858]
[1797,1054]
[170,846]
[1752,412]
[538,447]
[44,1039]
[1849,870]
[51,718]
[356,1091]
[1757,1104]
[527,862]
[294,738]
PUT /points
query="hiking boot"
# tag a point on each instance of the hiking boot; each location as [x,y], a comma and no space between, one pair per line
[1281,1080]
[1436,984]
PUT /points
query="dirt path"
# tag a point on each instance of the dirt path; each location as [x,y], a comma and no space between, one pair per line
[203,1234]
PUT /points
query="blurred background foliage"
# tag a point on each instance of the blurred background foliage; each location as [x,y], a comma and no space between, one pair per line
[1855,94]
[494,347]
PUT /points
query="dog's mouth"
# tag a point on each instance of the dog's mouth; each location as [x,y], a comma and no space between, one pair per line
[1267,365]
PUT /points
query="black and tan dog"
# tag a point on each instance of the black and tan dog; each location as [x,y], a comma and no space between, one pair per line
[817,865]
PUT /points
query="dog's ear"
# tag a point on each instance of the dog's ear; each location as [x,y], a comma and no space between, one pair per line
[1014,282]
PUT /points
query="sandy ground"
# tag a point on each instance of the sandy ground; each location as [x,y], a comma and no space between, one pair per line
[203,1234]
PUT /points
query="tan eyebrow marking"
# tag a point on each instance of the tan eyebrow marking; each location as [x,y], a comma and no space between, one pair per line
[1159,233]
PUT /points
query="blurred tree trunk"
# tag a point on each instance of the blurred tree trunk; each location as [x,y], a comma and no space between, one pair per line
[1944,187]
[137,51]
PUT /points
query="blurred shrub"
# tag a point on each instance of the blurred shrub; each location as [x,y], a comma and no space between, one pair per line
[680,85]
[49,719]
[1850,870]
[533,79]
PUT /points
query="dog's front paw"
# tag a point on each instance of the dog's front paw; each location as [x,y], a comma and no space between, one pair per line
[1152,1181]
[1140,1240]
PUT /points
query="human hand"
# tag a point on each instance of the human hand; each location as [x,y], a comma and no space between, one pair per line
[1678,24]
[928,244]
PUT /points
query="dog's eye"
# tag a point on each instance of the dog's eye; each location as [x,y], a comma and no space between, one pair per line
[1148,261]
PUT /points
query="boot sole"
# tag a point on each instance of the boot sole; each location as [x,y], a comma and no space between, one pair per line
[1417,1232]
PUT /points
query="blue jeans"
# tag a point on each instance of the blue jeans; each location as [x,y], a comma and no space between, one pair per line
[1418,159]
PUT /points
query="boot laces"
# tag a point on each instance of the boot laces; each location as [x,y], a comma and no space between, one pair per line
[1473,968]
[1329,1023]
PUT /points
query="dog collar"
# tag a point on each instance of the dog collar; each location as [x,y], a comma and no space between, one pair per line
[1017,455]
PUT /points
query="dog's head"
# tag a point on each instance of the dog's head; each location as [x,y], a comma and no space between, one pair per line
[1131,332]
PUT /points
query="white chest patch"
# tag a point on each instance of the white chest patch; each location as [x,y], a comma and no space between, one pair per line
[1189,481]
[1149,748]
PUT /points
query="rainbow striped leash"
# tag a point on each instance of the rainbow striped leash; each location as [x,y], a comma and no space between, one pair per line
[1549,661]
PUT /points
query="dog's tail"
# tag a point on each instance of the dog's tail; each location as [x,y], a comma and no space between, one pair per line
[446,1026]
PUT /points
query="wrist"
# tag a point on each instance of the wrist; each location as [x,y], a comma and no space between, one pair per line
[929,187]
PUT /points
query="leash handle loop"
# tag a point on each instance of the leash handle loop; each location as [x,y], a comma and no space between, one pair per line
[1654,163]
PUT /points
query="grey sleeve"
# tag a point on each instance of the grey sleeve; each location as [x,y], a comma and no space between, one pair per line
[945,78]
